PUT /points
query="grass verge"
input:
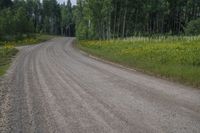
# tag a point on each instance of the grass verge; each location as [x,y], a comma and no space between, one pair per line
[174,58]
[6,55]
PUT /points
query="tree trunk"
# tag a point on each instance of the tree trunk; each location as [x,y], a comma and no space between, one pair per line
[124,21]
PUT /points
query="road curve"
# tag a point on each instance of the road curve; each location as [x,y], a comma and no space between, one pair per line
[53,88]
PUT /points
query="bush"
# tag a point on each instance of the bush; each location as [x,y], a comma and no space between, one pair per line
[193,27]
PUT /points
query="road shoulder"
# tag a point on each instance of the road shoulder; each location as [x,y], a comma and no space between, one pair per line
[4,104]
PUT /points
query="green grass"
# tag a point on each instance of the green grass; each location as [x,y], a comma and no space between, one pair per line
[175,58]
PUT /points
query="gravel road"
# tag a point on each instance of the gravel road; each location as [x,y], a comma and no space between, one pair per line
[54,88]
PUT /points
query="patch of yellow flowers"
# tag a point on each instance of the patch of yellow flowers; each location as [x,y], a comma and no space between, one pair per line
[9,45]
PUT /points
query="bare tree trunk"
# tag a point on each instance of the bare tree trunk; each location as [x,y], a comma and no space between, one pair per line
[124,21]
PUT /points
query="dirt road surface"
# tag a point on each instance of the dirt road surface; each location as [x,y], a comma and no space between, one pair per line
[53,88]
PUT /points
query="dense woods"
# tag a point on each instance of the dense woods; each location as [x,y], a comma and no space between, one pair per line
[123,18]
[20,18]
[100,19]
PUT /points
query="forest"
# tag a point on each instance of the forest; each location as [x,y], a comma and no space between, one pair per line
[99,19]
[104,19]
[20,18]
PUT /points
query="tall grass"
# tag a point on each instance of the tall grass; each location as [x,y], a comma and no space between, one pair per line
[176,58]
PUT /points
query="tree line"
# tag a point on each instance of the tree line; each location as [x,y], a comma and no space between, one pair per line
[104,19]
[99,19]
[23,17]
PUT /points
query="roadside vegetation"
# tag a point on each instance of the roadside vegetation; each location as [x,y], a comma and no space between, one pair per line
[6,54]
[175,58]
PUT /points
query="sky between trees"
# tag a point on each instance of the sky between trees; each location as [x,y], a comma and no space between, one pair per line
[73,1]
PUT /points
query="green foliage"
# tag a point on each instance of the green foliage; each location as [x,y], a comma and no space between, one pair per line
[21,21]
[80,14]
[6,22]
[14,22]
[175,57]
[193,27]
[82,31]
[67,19]
[93,19]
